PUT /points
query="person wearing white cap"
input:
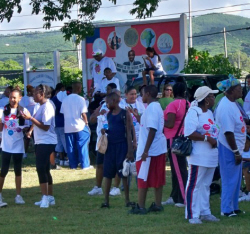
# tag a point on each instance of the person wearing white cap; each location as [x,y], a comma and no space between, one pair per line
[201,128]
[99,65]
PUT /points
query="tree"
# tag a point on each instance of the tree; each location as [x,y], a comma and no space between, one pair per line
[201,62]
[60,10]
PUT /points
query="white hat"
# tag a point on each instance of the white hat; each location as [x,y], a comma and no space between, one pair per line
[202,92]
[97,52]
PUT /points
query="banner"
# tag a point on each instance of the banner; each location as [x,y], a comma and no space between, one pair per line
[126,43]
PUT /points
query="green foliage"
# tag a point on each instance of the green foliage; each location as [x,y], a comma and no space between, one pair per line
[10,65]
[69,75]
[202,63]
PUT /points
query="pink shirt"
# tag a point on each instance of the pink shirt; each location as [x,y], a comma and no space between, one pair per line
[177,107]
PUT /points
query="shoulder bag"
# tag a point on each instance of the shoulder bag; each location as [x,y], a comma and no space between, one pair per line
[181,146]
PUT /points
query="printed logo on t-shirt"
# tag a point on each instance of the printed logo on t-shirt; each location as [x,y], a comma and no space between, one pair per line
[12,124]
[98,68]
[211,129]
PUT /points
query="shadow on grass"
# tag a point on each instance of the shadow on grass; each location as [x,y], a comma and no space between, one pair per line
[76,212]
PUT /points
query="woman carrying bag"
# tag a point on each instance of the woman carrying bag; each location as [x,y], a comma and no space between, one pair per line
[201,128]
[174,116]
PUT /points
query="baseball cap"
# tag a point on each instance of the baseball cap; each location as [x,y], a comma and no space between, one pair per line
[97,52]
[202,92]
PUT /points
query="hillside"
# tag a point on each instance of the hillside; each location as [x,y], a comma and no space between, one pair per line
[35,42]
[238,41]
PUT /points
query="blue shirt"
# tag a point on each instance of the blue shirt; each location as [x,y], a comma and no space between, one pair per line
[59,117]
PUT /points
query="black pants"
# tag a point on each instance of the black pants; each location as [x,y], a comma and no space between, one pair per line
[43,152]
[176,192]
[17,161]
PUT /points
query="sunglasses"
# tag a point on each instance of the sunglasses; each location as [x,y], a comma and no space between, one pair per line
[168,89]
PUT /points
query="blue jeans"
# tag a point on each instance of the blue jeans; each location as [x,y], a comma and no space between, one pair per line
[61,141]
[77,148]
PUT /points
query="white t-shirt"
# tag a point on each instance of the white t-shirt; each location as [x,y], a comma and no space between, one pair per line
[98,71]
[202,122]
[246,155]
[152,118]
[29,103]
[46,115]
[72,107]
[155,61]
[12,134]
[229,119]
[105,83]
[4,101]
[140,107]
[246,104]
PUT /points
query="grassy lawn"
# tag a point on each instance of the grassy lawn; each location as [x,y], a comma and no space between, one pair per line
[76,212]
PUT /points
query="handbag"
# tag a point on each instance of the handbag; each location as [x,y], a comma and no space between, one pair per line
[181,145]
[102,144]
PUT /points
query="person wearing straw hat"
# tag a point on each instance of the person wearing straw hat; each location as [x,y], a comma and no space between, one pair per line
[201,128]
[232,138]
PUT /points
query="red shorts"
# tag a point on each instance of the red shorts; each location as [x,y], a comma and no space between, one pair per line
[156,174]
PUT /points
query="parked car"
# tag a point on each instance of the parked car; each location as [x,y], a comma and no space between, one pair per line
[192,81]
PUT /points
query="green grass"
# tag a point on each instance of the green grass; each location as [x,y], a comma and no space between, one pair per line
[76,212]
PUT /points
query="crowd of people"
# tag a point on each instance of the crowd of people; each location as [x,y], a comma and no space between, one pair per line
[135,136]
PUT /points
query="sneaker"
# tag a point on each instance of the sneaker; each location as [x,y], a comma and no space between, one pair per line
[126,167]
[55,167]
[19,200]
[241,194]
[61,163]
[195,221]
[132,169]
[44,202]
[245,197]
[95,191]
[239,212]
[24,155]
[115,192]
[51,201]
[170,201]
[210,218]
[137,210]
[66,163]
[180,205]
[2,204]
[87,168]
[155,208]
[231,214]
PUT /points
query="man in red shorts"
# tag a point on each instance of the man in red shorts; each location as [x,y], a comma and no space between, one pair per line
[150,156]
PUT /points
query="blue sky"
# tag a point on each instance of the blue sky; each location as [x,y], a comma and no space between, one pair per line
[122,12]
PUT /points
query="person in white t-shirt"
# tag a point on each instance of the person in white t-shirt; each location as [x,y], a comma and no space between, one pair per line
[28,102]
[246,171]
[200,127]
[232,138]
[109,78]
[151,153]
[153,66]
[76,128]
[99,65]
[11,125]
[246,104]
[45,142]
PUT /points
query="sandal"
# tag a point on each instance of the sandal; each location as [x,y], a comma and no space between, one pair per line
[130,204]
[105,205]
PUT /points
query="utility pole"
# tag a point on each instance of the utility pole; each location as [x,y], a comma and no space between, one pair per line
[190,27]
[79,47]
[225,41]
[239,60]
